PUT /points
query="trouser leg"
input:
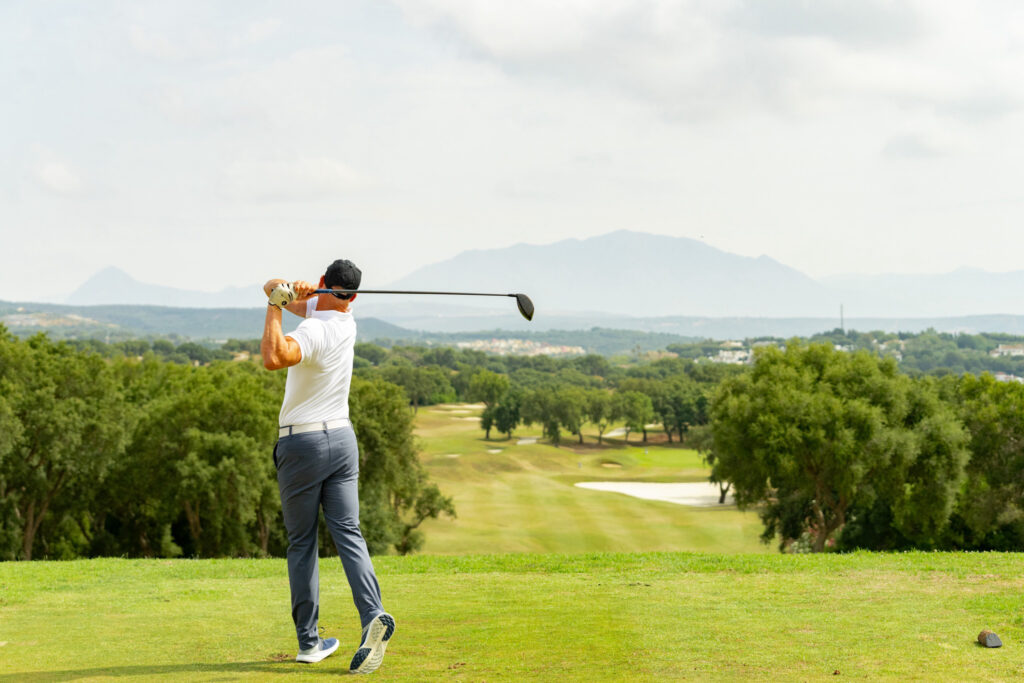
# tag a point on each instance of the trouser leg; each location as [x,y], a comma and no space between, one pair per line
[340,497]
[299,458]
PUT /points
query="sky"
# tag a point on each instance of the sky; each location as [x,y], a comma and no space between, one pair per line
[213,144]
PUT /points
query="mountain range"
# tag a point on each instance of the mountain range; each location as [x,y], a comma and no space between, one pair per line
[610,279]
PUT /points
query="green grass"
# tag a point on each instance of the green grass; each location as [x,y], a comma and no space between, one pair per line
[743,613]
[588,617]
[522,499]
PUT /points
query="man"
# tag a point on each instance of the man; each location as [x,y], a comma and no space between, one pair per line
[317,458]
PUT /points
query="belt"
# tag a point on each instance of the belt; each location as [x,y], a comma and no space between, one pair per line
[288,430]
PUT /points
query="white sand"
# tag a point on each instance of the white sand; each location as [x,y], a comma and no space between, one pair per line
[526,442]
[696,494]
[494,450]
[452,455]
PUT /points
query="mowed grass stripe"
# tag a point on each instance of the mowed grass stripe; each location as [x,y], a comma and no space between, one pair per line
[522,498]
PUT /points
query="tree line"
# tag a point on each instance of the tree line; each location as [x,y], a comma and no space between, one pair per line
[677,402]
[146,457]
[842,451]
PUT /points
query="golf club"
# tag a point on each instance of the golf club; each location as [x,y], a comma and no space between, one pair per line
[522,301]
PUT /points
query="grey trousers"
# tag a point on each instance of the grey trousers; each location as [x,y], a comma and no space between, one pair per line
[317,469]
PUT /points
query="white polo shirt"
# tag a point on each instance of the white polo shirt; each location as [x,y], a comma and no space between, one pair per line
[317,387]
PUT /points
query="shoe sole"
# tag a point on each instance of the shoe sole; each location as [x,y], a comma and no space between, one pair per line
[368,658]
[318,656]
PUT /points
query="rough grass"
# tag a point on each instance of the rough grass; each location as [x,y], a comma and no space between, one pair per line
[588,617]
[522,498]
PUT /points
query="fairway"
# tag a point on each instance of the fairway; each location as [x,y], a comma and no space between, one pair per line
[520,497]
[596,617]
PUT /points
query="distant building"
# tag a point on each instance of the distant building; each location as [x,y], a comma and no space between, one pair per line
[1004,377]
[521,347]
[1008,350]
[732,356]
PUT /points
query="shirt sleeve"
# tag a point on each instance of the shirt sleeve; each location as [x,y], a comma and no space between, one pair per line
[309,335]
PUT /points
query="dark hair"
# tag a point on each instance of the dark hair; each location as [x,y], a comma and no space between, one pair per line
[343,273]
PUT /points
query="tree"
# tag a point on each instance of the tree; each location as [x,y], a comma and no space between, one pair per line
[663,408]
[65,408]
[488,387]
[991,507]
[688,404]
[702,440]
[571,408]
[599,410]
[506,414]
[541,406]
[374,354]
[200,480]
[812,436]
[422,385]
[634,409]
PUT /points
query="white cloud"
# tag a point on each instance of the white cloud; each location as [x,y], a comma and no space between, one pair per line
[192,41]
[57,177]
[916,146]
[295,180]
[258,31]
[700,59]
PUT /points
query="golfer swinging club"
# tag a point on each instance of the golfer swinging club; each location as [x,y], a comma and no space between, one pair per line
[317,458]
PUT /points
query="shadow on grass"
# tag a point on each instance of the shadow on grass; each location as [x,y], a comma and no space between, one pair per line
[181,670]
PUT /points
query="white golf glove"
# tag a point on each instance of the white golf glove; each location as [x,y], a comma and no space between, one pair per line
[282,295]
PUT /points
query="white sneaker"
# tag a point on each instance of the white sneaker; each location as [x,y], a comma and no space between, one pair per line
[322,650]
[375,640]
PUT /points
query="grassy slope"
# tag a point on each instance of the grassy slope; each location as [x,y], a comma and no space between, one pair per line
[522,499]
[661,616]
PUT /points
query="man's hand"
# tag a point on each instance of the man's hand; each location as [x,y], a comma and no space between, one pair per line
[281,295]
[303,290]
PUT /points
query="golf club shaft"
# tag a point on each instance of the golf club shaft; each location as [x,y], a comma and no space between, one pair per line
[522,301]
[396,291]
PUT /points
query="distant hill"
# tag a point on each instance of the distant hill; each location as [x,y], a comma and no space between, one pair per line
[632,273]
[112,286]
[607,280]
[127,322]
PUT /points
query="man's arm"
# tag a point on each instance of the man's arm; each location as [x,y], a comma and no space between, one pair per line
[278,351]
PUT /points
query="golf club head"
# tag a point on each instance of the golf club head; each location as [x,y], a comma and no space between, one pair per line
[525,306]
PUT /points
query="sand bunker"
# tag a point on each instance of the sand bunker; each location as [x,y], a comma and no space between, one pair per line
[526,442]
[696,494]
[494,450]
